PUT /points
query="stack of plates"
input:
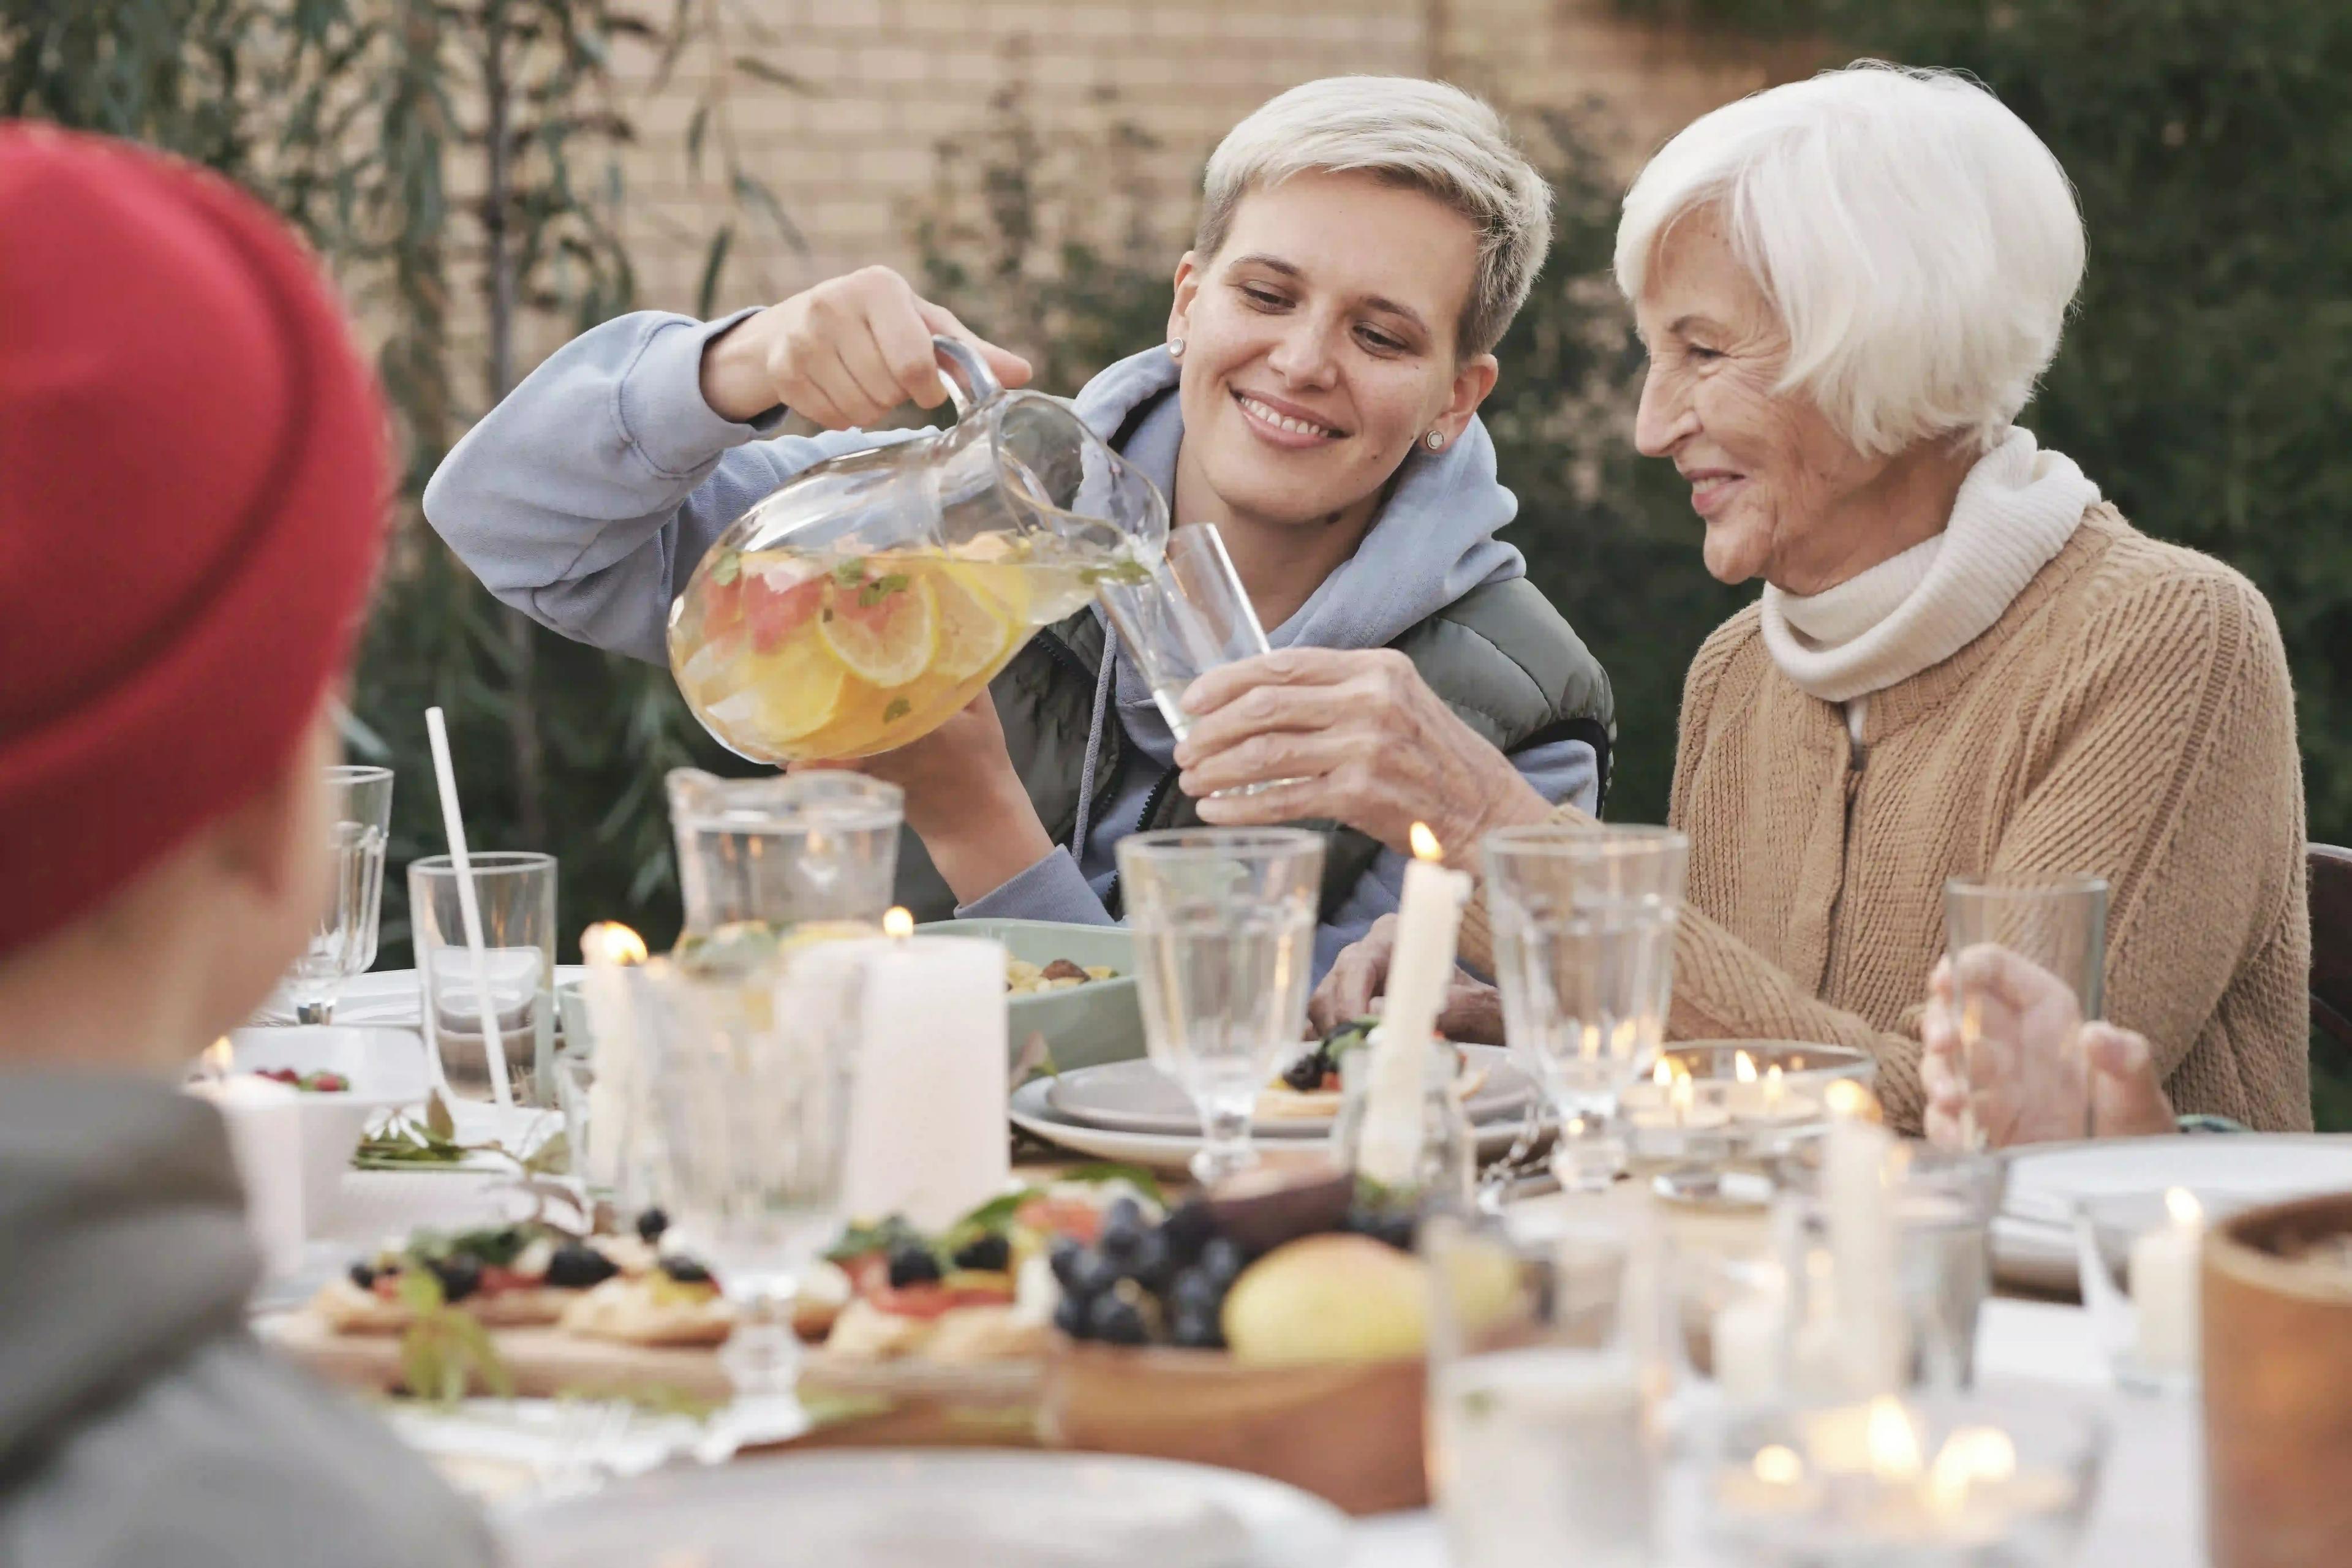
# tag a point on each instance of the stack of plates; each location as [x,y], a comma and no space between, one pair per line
[384,998]
[2033,1236]
[1131,1111]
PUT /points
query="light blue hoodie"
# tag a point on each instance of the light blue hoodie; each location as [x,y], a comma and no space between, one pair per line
[586,496]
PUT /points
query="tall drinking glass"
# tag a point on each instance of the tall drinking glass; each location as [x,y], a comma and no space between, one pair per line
[1223,922]
[2018,1030]
[1190,615]
[517,894]
[1584,946]
[343,943]
[750,1077]
[1543,1448]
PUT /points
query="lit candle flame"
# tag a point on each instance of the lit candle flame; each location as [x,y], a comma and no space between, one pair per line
[898,923]
[1850,1100]
[1773,1087]
[1894,1440]
[1424,844]
[2182,1205]
[1777,1465]
[610,941]
[1972,1456]
[1663,1075]
[1743,1067]
[1682,1097]
[218,1059]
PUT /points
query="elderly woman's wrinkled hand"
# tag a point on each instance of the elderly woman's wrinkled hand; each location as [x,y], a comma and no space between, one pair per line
[2031,1081]
[1359,978]
[1356,736]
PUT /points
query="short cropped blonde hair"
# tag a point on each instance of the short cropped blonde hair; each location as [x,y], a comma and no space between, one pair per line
[1423,134]
[1920,243]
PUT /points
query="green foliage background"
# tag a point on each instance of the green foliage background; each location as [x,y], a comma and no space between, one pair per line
[2205,384]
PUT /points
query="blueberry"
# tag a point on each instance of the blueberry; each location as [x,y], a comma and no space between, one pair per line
[363,1277]
[912,1263]
[1124,1214]
[1188,1229]
[576,1266]
[1198,1331]
[1223,1260]
[1063,1259]
[650,1226]
[1148,1264]
[460,1276]
[1117,1320]
[1196,1291]
[989,1252]
[685,1271]
[1071,1316]
[1089,1274]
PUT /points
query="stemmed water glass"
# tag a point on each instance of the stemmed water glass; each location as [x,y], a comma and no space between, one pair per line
[343,941]
[1223,921]
[751,1075]
[1584,931]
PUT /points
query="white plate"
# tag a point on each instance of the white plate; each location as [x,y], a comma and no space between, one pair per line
[1167,1151]
[926,1508]
[1137,1097]
[2034,1255]
[2228,1172]
[389,997]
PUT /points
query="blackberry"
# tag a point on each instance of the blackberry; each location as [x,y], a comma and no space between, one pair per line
[363,1277]
[460,1276]
[685,1271]
[911,1263]
[575,1266]
[650,1226]
[991,1252]
[1306,1074]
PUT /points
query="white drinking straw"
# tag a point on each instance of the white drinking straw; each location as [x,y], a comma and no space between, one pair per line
[470,908]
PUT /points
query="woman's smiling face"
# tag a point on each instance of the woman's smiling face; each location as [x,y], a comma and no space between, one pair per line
[1320,343]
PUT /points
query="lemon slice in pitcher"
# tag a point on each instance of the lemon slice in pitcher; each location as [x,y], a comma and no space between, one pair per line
[797,690]
[973,624]
[885,626]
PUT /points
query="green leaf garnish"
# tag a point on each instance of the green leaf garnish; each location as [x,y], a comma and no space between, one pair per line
[727,568]
[881,588]
[1124,574]
[850,573]
[898,709]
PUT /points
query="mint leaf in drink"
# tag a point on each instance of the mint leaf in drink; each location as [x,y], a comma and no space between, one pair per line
[850,573]
[881,588]
[899,708]
[727,568]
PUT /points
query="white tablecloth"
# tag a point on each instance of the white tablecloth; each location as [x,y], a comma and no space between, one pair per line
[2150,1508]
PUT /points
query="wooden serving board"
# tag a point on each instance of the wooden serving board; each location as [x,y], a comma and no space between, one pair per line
[546,1362]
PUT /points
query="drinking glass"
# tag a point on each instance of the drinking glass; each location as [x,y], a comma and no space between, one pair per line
[1223,921]
[1543,1445]
[343,943]
[1187,617]
[2032,1048]
[516,891]
[1584,947]
[750,1091]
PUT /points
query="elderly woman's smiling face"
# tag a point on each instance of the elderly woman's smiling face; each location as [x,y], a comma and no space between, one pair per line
[1770,473]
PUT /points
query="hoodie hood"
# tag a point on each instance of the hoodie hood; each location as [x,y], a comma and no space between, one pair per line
[1432,541]
[121,1220]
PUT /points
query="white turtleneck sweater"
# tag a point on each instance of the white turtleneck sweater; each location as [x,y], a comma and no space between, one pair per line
[2015,510]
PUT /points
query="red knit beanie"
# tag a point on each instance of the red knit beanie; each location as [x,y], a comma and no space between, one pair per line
[192,497]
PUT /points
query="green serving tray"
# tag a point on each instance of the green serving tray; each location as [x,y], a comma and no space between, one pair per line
[1098,1021]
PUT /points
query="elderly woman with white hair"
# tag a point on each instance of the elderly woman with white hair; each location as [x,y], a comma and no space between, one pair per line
[1364,243]
[1964,662]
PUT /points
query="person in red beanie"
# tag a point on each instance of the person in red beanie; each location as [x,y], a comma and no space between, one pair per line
[193,478]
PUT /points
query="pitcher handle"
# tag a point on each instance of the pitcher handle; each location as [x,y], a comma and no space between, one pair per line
[962,364]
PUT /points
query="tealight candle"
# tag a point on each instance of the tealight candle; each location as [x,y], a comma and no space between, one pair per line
[2164,1286]
[1864,1243]
[928,1110]
[265,1139]
[615,1097]
[1421,970]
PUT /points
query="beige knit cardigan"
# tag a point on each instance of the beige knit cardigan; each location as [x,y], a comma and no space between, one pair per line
[2130,715]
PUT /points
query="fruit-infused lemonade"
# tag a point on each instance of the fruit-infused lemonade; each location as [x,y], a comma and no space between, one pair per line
[791,656]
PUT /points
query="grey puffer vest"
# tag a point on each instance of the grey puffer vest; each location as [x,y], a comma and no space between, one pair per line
[1501,656]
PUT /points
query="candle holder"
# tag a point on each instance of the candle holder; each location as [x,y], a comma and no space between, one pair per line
[1963,1482]
[2138,1255]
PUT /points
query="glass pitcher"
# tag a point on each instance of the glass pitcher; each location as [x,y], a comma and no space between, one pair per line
[805,854]
[872,595]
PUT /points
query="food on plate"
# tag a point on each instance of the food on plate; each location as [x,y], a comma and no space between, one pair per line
[307,1082]
[676,1303]
[1328,1298]
[1310,1085]
[498,1275]
[980,1290]
[1023,978]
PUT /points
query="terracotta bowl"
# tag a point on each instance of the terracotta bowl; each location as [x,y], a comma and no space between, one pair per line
[2278,1385]
[1350,1434]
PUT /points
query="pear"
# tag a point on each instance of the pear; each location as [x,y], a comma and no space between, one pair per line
[1328,1298]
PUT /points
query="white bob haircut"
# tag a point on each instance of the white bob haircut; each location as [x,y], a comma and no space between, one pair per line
[1424,135]
[1920,244]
